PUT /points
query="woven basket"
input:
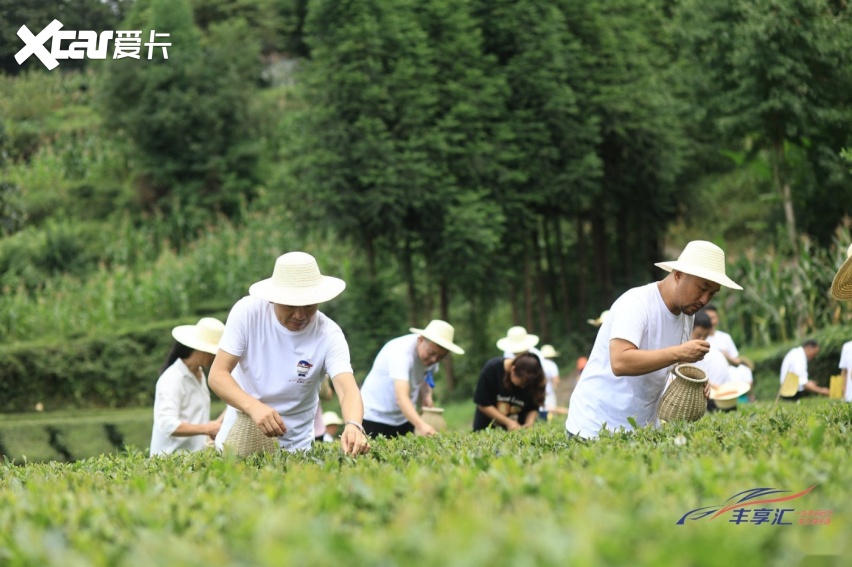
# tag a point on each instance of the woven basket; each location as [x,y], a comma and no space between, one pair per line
[245,437]
[434,417]
[684,399]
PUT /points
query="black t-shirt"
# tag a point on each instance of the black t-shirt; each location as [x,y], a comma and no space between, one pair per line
[490,391]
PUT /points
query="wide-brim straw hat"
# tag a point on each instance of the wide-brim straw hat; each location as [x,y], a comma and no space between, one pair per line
[296,281]
[203,336]
[725,396]
[704,260]
[517,340]
[547,351]
[441,333]
[331,418]
[841,286]
[600,320]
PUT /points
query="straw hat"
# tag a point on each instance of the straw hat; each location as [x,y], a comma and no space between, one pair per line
[517,340]
[725,396]
[203,336]
[441,333]
[331,418]
[841,286]
[703,259]
[600,320]
[547,351]
[296,281]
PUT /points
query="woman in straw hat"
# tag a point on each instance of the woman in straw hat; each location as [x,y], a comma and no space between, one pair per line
[646,333]
[182,400]
[275,351]
[400,375]
[511,388]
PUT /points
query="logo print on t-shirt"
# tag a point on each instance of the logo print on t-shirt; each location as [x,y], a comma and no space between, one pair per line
[303,367]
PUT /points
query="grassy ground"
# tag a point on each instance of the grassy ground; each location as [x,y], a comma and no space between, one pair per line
[524,498]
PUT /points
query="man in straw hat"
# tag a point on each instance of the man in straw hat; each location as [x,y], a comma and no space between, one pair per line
[275,351]
[399,376]
[511,388]
[182,399]
[647,332]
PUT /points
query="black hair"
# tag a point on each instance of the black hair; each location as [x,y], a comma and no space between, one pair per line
[177,351]
[710,307]
[702,320]
[528,368]
[811,343]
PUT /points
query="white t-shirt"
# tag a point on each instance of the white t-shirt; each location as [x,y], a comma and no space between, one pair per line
[397,360]
[796,361]
[180,398]
[723,341]
[551,371]
[282,368]
[846,363]
[716,366]
[602,399]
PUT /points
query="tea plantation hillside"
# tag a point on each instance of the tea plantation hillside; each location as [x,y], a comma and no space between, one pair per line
[532,498]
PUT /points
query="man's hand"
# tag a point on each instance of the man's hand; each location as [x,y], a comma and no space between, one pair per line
[268,420]
[693,351]
[426,430]
[353,441]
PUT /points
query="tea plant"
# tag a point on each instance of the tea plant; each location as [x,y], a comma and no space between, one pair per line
[527,498]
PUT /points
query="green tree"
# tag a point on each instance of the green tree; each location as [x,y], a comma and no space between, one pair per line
[551,166]
[358,147]
[777,73]
[640,140]
[187,116]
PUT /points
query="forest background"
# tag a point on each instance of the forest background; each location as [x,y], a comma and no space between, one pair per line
[485,162]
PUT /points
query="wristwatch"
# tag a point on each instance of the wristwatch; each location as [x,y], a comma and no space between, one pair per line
[356,424]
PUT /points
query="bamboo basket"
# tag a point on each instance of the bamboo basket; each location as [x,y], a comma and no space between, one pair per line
[246,438]
[434,417]
[684,399]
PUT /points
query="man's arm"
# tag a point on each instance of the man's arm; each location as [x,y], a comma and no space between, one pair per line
[628,360]
[402,391]
[812,386]
[222,382]
[352,439]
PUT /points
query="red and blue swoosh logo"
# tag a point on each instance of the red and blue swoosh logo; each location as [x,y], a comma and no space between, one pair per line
[751,497]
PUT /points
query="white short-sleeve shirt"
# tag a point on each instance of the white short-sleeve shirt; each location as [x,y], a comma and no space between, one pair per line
[716,366]
[846,364]
[724,342]
[180,398]
[551,371]
[602,399]
[282,368]
[397,360]
[796,361]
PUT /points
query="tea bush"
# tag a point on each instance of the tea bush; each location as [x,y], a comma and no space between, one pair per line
[527,498]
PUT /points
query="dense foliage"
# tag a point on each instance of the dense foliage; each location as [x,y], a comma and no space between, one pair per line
[490,163]
[530,497]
